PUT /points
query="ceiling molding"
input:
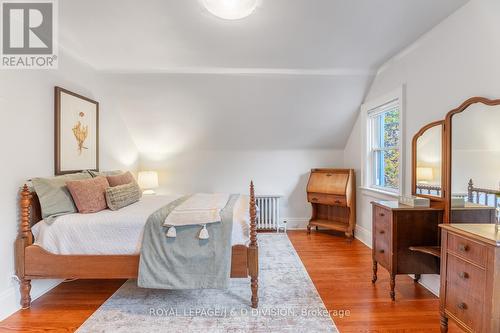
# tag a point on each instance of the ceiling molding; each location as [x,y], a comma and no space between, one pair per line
[245,71]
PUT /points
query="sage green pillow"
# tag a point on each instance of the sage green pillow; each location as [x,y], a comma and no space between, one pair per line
[54,196]
[123,195]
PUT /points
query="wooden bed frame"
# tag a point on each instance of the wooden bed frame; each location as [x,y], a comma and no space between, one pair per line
[33,262]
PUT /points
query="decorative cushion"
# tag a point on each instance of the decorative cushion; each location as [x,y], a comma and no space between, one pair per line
[54,195]
[123,195]
[94,173]
[124,178]
[88,194]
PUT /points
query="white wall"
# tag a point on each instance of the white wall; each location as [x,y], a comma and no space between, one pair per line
[456,60]
[27,110]
[283,172]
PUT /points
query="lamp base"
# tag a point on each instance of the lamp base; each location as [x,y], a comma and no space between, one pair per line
[149,192]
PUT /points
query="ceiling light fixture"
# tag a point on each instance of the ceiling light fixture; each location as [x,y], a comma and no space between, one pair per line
[230,9]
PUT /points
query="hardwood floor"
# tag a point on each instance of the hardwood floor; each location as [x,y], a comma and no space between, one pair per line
[340,270]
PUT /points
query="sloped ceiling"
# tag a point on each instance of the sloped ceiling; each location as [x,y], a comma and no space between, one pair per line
[290,76]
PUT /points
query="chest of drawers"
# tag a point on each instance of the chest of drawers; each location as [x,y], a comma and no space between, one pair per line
[470,277]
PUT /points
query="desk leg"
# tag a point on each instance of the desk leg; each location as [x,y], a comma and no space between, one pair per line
[374,277]
[444,323]
[393,286]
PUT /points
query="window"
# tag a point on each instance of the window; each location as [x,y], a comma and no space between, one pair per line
[385,147]
[383,161]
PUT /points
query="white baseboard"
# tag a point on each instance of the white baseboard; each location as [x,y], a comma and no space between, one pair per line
[296,223]
[10,298]
[430,282]
[364,235]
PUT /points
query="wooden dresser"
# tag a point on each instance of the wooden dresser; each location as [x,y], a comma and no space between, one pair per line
[470,277]
[332,194]
[395,229]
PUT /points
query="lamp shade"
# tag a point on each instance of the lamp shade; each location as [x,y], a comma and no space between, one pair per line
[148,179]
[425,174]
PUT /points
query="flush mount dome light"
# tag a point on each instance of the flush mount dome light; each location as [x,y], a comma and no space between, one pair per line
[230,9]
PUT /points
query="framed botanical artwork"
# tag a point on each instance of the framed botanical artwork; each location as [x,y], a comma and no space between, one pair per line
[76,132]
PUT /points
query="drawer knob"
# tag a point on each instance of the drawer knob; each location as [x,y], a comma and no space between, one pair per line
[462,306]
[382,214]
[463,275]
[328,174]
[382,232]
[463,247]
[381,251]
[314,199]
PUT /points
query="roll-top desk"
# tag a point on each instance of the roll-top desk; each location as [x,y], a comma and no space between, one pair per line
[332,194]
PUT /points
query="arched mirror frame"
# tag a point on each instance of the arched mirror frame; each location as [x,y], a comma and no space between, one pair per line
[421,132]
[448,131]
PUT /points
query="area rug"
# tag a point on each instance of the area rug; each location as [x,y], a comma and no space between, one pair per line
[289,302]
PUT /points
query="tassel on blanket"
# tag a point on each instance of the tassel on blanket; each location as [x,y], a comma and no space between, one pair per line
[204,233]
[171,233]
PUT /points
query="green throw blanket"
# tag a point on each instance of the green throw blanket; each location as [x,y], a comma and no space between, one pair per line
[186,262]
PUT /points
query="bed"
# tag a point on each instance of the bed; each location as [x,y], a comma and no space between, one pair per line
[92,247]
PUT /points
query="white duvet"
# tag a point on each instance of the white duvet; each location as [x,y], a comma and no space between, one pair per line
[119,232]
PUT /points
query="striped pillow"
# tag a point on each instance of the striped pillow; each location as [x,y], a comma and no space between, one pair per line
[123,195]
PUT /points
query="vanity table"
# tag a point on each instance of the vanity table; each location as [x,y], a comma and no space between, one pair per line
[453,158]
[470,277]
[396,228]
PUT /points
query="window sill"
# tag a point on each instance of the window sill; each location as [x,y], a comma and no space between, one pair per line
[378,192]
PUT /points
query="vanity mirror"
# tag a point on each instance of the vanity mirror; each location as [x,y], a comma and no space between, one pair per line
[473,152]
[427,160]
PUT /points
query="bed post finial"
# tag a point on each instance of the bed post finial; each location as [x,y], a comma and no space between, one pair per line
[253,250]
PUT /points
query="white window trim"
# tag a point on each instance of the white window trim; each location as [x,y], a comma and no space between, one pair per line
[366,158]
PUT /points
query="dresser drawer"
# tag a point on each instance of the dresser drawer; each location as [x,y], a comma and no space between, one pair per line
[465,276]
[327,199]
[467,249]
[464,305]
[381,215]
[382,251]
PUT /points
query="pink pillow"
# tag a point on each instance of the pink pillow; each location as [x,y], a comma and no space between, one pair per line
[124,178]
[89,194]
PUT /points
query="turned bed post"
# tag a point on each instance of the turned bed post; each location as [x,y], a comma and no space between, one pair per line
[25,239]
[253,250]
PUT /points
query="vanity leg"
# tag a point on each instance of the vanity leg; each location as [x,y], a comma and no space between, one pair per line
[444,323]
[393,286]
[417,278]
[374,277]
